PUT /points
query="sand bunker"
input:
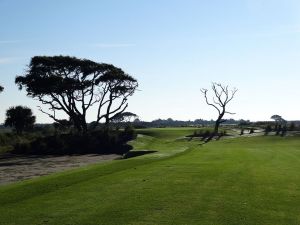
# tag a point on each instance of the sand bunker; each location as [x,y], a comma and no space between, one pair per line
[19,167]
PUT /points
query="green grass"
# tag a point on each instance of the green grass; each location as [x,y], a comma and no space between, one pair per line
[235,181]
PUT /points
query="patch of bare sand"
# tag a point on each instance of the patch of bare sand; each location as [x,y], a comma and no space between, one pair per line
[21,167]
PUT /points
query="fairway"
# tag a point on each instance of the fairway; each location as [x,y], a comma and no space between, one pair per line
[252,180]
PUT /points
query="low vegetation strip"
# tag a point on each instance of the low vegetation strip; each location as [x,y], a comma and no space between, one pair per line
[234,181]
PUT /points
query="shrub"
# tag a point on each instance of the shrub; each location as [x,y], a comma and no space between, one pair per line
[10,139]
[129,133]
[101,141]
[203,134]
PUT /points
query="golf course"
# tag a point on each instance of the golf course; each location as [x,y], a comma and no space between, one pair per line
[168,179]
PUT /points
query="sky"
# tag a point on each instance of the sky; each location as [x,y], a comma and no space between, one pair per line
[172,47]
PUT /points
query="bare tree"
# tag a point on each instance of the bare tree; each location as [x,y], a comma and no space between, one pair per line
[222,96]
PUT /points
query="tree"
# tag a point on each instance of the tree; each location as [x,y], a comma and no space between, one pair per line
[20,118]
[125,117]
[75,85]
[279,123]
[277,118]
[222,96]
[1,88]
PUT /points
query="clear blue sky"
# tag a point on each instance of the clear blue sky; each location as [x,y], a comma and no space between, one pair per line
[172,47]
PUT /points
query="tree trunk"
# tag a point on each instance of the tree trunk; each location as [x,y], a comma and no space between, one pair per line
[79,123]
[216,128]
[84,125]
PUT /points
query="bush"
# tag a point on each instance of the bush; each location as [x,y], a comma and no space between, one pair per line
[10,139]
[102,142]
[206,133]
[128,134]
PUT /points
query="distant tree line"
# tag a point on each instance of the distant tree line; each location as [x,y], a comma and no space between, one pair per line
[182,123]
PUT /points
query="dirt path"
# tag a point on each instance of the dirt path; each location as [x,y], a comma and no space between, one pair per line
[16,167]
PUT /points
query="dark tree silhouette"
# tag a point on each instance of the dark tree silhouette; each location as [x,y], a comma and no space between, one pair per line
[20,118]
[125,117]
[278,119]
[222,96]
[75,85]
[1,88]
[279,123]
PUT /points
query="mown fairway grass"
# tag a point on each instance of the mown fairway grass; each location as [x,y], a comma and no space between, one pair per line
[235,181]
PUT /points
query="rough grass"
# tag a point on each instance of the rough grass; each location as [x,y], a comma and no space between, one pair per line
[235,181]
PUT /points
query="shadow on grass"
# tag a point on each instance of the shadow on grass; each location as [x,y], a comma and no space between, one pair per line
[132,154]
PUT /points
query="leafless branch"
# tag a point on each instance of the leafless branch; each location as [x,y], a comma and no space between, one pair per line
[222,96]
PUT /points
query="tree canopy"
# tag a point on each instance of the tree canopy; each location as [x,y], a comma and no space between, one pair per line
[125,117]
[20,118]
[277,118]
[73,86]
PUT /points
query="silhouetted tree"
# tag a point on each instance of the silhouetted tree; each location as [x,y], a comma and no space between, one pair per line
[1,88]
[277,118]
[125,117]
[75,85]
[279,123]
[20,118]
[222,96]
